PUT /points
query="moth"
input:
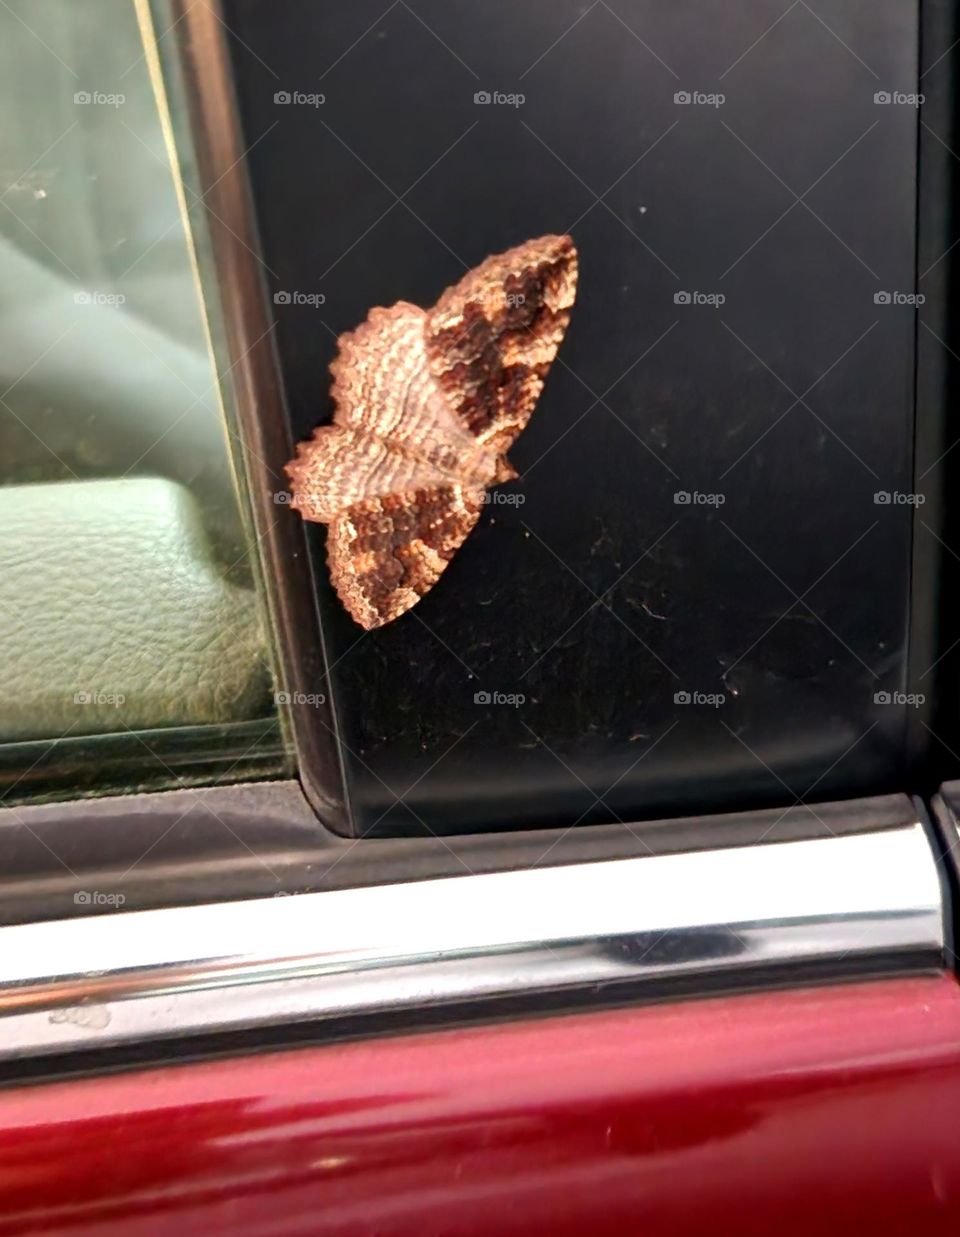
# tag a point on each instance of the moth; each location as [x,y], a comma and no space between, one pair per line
[427,404]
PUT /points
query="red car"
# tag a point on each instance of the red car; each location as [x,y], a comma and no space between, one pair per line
[478,729]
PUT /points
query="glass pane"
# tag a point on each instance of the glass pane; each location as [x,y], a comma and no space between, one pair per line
[128,599]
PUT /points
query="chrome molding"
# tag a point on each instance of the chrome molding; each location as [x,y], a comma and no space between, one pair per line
[852,901]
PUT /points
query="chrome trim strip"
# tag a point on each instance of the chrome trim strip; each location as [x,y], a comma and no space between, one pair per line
[117,978]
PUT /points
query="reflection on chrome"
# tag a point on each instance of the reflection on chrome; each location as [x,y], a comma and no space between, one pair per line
[857,902]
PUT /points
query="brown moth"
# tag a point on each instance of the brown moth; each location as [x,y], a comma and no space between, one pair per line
[427,403]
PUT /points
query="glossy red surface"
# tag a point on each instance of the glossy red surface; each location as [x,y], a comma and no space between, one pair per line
[831,1110]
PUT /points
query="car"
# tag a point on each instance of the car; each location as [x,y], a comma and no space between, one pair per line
[478,730]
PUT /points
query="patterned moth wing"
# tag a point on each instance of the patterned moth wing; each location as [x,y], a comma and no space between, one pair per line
[386,553]
[426,405]
[492,337]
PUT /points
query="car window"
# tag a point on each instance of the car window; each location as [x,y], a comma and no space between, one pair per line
[130,614]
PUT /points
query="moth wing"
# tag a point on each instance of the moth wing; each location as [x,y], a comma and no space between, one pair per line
[341,466]
[392,430]
[386,553]
[382,382]
[492,337]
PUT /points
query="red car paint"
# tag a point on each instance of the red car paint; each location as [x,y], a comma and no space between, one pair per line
[821,1111]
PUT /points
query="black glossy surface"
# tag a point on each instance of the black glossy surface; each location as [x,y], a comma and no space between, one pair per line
[649,398]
